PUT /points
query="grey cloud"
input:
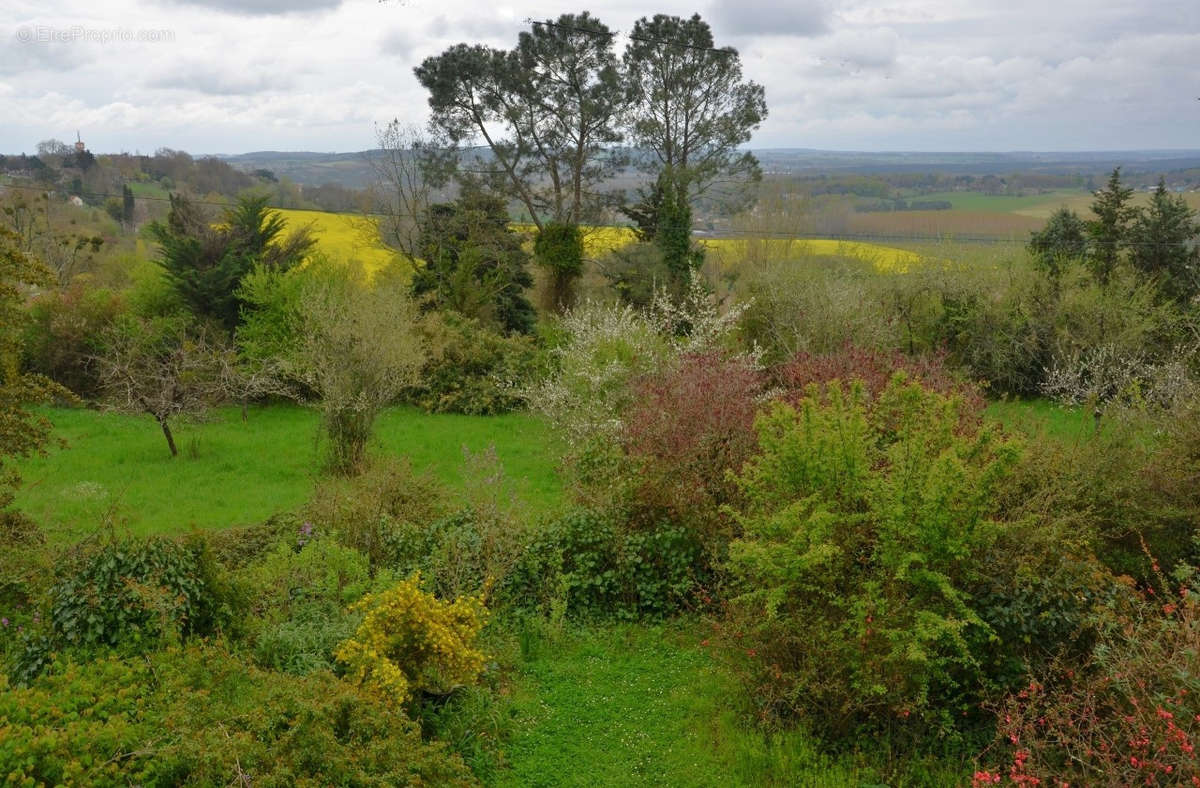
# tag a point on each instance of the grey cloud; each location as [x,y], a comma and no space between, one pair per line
[26,49]
[475,28]
[264,7]
[247,81]
[771,17]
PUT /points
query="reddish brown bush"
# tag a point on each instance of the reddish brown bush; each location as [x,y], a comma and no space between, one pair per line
[1129,717]
[687,427]
[875,368]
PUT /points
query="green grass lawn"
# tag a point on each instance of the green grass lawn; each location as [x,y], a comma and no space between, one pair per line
[233,473]
[1043,417]
[631,705]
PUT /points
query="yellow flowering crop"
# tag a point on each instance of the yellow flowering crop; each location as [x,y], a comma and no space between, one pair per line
[344,237]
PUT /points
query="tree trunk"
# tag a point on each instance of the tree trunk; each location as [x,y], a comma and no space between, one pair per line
[170,438]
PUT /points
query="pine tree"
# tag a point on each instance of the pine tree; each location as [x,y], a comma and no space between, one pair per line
[1109,231]
[1163,243]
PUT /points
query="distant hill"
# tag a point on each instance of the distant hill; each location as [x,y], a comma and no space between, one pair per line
[354,169]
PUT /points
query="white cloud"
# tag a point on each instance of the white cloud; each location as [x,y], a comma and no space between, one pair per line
[317,74]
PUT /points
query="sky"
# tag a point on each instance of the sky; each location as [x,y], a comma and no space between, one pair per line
[232,76]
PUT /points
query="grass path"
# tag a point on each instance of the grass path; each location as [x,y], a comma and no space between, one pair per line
[625,705]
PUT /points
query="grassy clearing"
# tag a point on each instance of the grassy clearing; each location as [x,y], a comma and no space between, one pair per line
[231,473]
[627,705]
[1042,417]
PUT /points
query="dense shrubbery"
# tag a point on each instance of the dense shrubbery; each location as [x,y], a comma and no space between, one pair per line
[592,564]
[469,369]
[866,522]
[688,427]
[1128,715]
[202,716]
[138,592]
[65,334]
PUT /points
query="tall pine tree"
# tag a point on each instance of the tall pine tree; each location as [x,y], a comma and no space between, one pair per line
[1164,244]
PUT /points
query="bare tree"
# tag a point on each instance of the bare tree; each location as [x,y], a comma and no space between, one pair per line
[166,370]
[408,166]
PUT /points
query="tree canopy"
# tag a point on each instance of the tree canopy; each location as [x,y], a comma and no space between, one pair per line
[206,262]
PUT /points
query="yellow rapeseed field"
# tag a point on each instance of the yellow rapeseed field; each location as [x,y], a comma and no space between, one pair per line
[728,252]
[346,237]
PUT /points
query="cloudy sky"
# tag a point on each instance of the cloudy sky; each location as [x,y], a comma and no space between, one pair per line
[233,76]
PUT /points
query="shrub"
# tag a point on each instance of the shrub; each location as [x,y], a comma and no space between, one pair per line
[1130,715]
[688,426]
[874,369]
[136,593]
[375,512]
[1129,486]
[589,563]
[65,333]
[297,598]
[471,370]
[198,716]
[817,309]
[409,641]
[865,523]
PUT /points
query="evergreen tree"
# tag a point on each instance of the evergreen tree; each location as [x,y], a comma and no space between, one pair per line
[474,263]
[206,262]
[1108,233]
[1163,244]
[1063,238]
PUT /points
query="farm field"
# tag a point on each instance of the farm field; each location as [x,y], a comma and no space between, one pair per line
[344,237]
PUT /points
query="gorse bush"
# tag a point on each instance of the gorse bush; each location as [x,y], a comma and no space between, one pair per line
[409,642]
[202,716]
[865,520]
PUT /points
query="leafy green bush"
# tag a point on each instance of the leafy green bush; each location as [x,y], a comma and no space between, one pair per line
[199,716]
[297,600]
[865,525]
[136,593]
[591,564]
[375,512]
[469,369]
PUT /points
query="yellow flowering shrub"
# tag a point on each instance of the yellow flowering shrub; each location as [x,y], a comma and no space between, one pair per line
[410,641]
